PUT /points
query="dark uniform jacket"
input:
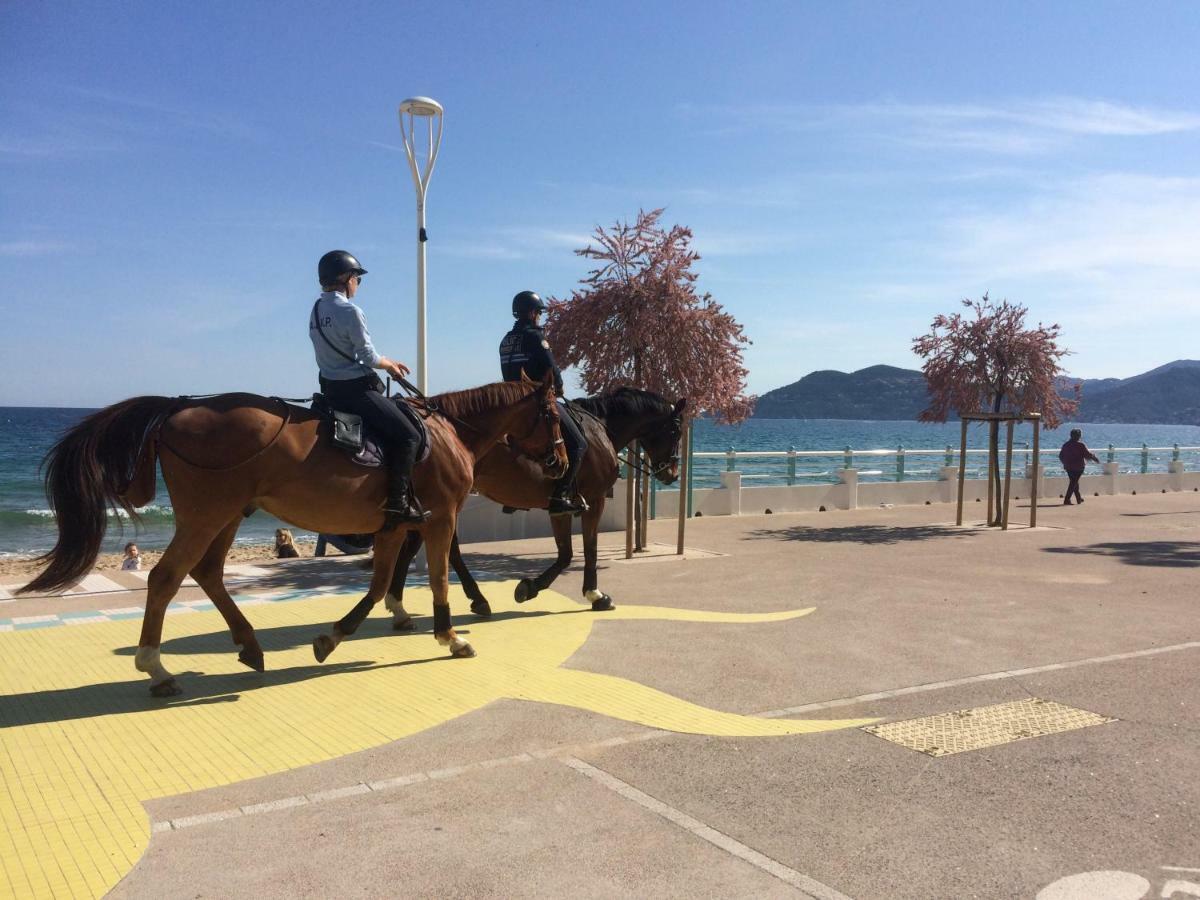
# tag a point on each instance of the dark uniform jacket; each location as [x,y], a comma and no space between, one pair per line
[525,347]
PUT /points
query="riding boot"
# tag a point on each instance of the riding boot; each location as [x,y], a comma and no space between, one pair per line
[402,506]
[563,501]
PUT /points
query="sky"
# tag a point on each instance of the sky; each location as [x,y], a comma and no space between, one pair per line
[170,173]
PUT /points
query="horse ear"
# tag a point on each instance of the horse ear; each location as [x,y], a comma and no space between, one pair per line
[548,379]
[525,379]
[682,402]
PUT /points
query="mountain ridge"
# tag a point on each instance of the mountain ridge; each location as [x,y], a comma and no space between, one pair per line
[1168,394]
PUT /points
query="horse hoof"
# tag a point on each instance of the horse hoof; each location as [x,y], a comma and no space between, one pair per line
[168,688]
[603,603]
[253,659]
[466,651]
[481,608]
[405,624]
[525,590]
[322,647]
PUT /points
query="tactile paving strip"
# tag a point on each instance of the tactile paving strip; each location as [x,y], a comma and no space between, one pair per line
[83,745]
[985,726]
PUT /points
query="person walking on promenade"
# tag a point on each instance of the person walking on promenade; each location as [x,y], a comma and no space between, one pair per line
[1074,456]
[346,359]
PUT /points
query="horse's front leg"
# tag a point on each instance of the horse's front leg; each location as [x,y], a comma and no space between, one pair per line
[394,601]
[600,601]
[479,603]
[438,538]
[387,548]
[528,588]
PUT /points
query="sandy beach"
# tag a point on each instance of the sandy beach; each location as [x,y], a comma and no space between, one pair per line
[21,566]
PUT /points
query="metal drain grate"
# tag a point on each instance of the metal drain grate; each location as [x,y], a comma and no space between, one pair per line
[985,726]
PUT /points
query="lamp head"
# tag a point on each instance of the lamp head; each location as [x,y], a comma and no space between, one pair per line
[421,106]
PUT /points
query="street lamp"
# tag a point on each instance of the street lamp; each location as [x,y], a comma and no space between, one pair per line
[431,111]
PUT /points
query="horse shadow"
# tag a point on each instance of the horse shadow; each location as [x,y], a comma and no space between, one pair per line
[121,697]
[353,574]
[290,637]
[1170,554]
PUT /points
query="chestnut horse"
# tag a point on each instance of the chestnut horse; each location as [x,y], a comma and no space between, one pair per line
[609,422]
[224,456]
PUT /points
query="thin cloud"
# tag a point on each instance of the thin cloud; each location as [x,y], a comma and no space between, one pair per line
[33,248]
[1016,128]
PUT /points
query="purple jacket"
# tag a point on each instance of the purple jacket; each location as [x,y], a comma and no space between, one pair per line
[1074,456]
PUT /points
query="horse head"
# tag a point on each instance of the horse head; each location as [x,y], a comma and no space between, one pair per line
[661,443]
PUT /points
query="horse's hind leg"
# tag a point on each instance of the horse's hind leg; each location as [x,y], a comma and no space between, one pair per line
[394,601]
[479,603]
[600,601]
[209,574]
[185,550]
[528,588]
[387,547]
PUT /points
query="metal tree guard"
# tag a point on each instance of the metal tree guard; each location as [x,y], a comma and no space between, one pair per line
[431,111]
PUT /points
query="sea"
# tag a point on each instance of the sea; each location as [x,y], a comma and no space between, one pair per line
[26,433]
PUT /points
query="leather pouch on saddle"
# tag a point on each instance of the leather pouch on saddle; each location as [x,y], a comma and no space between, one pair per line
[347,427]
[350,433]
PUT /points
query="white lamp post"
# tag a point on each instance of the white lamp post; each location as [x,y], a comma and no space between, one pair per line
[432,113]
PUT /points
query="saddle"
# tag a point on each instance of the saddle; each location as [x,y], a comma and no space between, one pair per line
[350,433]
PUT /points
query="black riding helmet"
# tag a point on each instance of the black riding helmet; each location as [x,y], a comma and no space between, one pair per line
[526,301]
[335,264]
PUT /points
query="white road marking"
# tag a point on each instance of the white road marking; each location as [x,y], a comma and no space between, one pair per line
[809,887]
[94,583]
[975,679]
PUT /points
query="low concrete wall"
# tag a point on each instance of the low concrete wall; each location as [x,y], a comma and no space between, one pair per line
[482,520]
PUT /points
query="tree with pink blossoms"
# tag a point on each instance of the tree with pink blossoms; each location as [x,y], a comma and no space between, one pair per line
[986,360]
[637,320]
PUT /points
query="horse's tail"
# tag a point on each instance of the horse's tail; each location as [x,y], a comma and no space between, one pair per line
[99,463]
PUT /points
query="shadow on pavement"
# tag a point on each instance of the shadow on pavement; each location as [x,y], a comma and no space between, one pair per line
[89,701]
[1173,554]
[287,637]
[859,534]
[347,574]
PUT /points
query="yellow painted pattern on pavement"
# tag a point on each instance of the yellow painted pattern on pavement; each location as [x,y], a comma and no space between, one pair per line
[83,745]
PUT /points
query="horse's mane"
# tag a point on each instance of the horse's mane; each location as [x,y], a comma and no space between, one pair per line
[627,401]
[483,398]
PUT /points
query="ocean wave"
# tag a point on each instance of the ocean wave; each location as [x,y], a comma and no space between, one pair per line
[19,516]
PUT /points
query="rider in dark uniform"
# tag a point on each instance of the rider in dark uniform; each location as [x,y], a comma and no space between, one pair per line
[347,359]
[525,349]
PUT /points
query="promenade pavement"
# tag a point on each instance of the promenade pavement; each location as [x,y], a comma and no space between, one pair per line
[1094,612]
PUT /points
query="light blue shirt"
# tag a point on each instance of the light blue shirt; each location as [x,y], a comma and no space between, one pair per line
[344,325]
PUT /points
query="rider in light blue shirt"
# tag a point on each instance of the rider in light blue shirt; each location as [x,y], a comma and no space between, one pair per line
[347,361]
[346,328]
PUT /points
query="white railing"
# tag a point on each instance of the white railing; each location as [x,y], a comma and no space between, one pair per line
[763,464]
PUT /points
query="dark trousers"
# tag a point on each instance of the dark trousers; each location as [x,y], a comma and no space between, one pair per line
[574,441]
[392,428]
[1073,486]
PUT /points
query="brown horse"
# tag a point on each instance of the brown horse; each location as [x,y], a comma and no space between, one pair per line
[223,457]
[609,422]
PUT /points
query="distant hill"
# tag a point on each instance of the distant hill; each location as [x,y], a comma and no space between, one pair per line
[878,392]
[1168,395]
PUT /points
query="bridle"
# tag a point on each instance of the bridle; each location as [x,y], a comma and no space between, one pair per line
[656,469]
[548,416]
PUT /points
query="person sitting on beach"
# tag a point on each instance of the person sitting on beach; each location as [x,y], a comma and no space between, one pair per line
[1074,456]
[133,560]
[285,546]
